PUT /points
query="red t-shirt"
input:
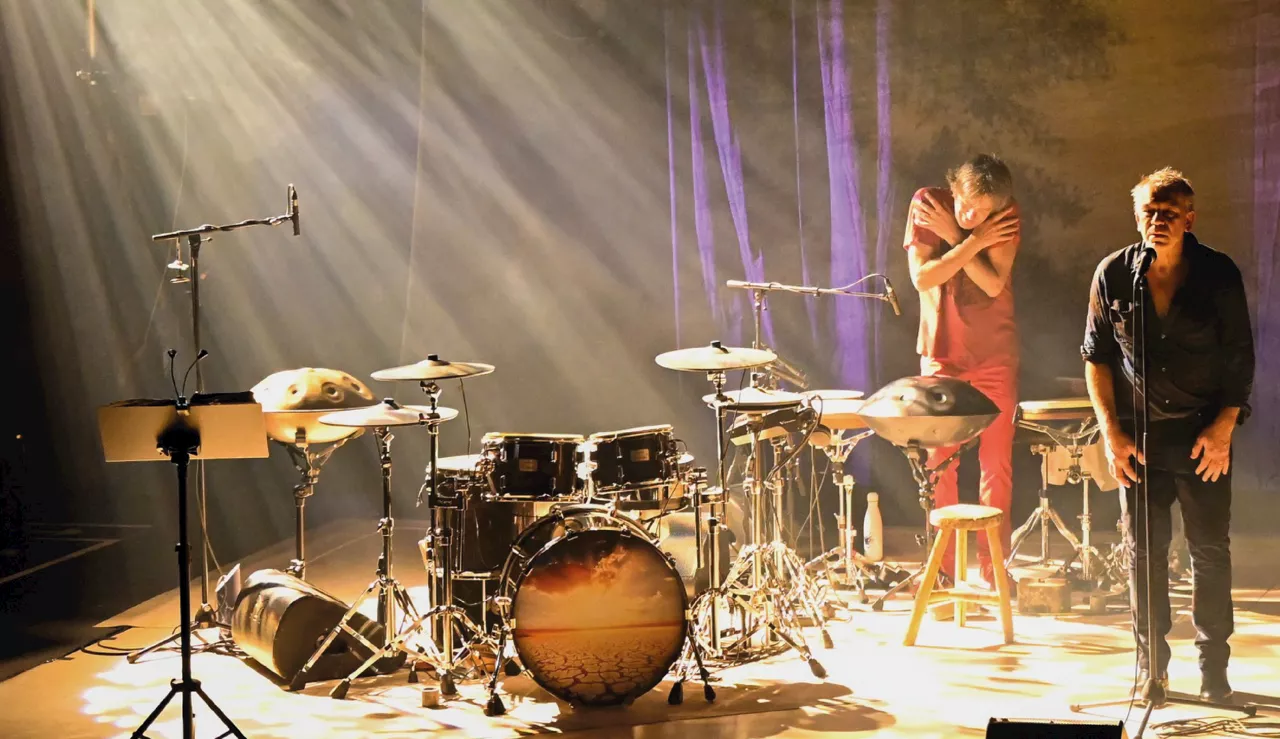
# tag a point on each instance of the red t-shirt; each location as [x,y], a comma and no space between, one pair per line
[961,327]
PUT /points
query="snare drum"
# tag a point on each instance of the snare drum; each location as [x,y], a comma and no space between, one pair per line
[533,466]
[596,610]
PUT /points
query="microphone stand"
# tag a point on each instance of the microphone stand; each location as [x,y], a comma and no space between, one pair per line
[1153,692]
[205,615]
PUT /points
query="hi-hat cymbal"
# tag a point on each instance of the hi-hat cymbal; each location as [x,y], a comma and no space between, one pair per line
[754,399]
[433,368]
[714,358]
[389,413]
[294,400]
[928,411]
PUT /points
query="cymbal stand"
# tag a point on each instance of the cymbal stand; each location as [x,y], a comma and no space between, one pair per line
[389,590]
[763,584]
[445,619]
[308,463]
[927,480]
[1075,443]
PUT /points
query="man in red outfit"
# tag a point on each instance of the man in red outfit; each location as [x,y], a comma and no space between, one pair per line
[961,242]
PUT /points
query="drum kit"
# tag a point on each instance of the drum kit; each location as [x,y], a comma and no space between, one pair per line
[567,556]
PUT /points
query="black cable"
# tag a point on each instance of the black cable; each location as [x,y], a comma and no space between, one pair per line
[466,412]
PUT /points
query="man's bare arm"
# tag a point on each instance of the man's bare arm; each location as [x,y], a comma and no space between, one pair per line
[1121,449]
[990,269]
[928,269]
[1102,394]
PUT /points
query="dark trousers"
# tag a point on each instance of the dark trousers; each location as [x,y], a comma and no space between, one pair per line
[1206,515]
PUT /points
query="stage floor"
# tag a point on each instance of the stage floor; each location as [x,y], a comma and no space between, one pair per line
[949,685]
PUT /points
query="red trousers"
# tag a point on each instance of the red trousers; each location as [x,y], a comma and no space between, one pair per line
[995,454]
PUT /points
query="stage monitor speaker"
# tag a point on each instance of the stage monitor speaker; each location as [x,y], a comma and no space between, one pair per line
[280,620]
[1003,728]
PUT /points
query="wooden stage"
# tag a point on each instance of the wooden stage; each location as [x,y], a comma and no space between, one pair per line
[949,685]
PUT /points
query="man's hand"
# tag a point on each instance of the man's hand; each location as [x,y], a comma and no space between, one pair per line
[997,229]
[1213,449]
[1121,451]
[930,214]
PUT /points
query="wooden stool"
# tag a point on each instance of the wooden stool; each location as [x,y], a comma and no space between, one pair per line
[963,519]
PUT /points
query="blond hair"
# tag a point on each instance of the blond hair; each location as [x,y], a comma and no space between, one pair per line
[1164,185]
[985,174]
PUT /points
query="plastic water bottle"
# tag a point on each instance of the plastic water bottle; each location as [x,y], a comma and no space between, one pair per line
[873,530]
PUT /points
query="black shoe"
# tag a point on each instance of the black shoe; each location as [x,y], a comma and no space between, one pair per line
[1214,686]
[1140,687]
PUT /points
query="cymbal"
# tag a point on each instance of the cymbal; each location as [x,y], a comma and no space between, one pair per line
[294,400]
[714,358]
[928,411]
[389,413]
[754,399]
[433,368]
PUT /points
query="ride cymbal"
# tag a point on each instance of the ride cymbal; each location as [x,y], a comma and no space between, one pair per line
[714,358]
[754,399]
[389,413]
[433,368]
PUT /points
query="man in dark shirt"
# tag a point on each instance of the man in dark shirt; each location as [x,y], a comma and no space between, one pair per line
[1200,373]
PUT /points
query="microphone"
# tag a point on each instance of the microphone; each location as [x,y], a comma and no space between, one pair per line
[293,210]
[892,296]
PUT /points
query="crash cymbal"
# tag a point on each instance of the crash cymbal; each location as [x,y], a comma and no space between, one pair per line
[714,358]
[294,400]
[753,399]
[389,413]
[433,368]
[928,411]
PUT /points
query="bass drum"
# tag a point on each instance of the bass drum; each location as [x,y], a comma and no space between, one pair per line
[596,610]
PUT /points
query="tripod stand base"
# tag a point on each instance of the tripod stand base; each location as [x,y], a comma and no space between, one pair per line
[203,619]
[179,688]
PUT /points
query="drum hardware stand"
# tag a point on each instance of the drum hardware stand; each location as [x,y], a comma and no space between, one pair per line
[1044,512]
[857,569]
[445,618]
[764,598]
[690,657]
[308,464]
[1154,692]
[390,591]
[927,480]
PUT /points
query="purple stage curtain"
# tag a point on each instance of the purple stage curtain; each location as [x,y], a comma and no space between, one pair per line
[848,232]
[730,153]
[1262,430]
[671,178]
[884,166]
[702,221]
[810,302]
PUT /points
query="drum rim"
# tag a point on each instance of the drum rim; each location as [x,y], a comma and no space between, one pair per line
[1057,404]
[657,429]
[664,557]
[504,435]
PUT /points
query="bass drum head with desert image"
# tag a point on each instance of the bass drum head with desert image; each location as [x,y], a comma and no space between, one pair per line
[597,610]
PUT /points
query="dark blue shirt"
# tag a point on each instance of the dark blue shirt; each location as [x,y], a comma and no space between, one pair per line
[1200,355]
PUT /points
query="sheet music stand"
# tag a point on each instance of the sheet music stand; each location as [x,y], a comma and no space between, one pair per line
[215,426]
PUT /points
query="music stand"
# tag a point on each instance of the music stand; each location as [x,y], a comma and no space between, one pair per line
[215,426]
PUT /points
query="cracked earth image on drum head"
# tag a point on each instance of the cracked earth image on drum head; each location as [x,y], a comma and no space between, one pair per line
[599,617]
